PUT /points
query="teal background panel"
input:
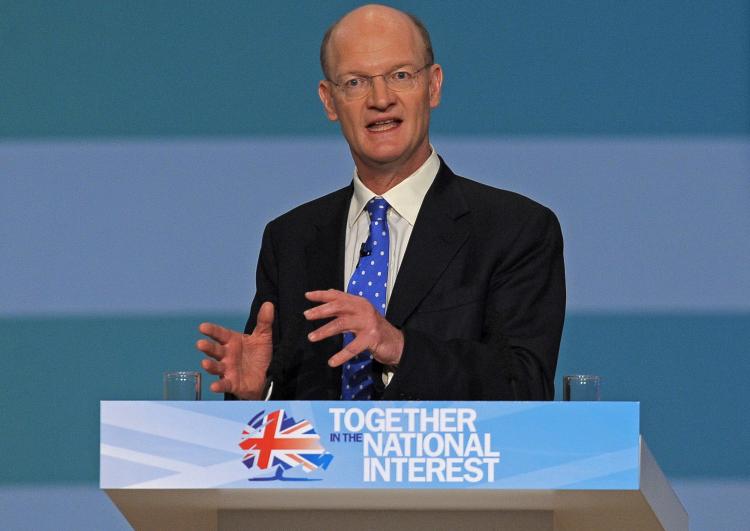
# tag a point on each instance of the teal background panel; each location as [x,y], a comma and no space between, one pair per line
[687,370]
[171,68]
[63,366]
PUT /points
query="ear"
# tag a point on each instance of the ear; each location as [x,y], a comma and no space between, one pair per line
[435,84]
[325,92]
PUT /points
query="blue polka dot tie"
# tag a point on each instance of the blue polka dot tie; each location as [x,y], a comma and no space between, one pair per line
[370,280]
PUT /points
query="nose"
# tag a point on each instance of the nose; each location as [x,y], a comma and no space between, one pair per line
[380,96]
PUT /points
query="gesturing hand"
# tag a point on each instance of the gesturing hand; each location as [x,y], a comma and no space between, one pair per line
[240,360]
[356,315]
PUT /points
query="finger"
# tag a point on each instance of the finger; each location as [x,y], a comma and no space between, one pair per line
[335,327]
[264,321]
[347,353]
[326,310]
[209,348]
[221,386]
[213,367]
[327,295]
[216,332]
[343,304]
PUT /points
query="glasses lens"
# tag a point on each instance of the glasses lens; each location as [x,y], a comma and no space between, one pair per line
[400,80]
[358,87]
[355,87]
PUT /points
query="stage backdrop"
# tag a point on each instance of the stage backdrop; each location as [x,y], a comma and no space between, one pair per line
[144,146]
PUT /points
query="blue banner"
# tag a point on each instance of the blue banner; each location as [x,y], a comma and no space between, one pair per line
[295,444]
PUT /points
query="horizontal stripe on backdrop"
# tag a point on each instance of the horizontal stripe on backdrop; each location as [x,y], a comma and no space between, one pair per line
[164,226]
[88,68]
[685,369]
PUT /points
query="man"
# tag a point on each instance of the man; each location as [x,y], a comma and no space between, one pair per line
[464,298]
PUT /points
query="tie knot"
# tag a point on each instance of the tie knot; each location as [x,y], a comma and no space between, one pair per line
[377,207]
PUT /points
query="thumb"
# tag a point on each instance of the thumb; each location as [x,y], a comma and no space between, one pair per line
[265,319]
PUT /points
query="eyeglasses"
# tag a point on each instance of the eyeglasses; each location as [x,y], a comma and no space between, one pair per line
[356,87]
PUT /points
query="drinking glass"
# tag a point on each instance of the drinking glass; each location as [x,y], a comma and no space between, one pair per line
[182,385]
[582,387]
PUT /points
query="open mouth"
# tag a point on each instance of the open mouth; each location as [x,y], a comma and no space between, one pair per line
[383,125]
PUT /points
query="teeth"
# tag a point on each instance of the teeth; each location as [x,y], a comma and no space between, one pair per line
[382,124]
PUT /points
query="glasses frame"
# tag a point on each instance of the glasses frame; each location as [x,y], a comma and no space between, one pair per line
[370,79]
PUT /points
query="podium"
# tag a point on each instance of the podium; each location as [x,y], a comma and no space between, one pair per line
[396,465]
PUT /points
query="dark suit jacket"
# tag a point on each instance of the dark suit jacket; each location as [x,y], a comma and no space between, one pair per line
[480,296]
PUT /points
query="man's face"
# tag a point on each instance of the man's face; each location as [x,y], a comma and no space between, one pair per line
[386,130]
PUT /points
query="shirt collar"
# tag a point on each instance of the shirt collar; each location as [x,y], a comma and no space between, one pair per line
[405,198]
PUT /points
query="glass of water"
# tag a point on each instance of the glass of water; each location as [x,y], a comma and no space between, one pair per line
[582,387]
[182,385]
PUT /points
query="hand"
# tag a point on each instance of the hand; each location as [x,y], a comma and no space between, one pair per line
[356,315]
[240,360]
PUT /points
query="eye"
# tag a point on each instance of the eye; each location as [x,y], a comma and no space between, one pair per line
[353,82]
[400,75]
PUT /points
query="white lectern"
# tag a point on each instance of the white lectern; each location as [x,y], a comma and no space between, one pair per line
[383,465]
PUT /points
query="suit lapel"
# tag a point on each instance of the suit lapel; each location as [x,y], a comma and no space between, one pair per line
[439,232]
[325,253]
[324,269]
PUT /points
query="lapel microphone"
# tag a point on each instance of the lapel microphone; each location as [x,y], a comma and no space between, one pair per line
[364,250]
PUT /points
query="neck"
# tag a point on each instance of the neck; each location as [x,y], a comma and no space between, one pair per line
[380,179]
[380,184]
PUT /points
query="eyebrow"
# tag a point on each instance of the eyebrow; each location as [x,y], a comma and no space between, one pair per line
[393,69]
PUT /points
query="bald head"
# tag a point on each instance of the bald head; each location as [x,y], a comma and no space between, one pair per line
[372,18]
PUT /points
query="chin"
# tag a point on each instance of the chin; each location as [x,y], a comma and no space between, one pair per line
[385,154]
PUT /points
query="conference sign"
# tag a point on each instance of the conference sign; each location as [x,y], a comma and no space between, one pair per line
[298,444]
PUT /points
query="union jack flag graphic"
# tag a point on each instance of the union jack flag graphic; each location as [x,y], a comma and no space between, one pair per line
[277,440]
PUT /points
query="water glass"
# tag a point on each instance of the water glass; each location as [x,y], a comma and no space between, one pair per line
[182,385]
[582,387]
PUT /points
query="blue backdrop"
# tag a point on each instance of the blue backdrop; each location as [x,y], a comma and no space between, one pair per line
[143,146]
